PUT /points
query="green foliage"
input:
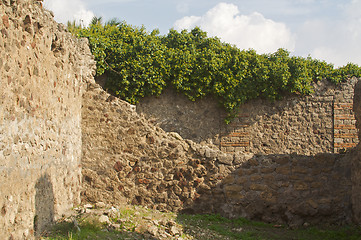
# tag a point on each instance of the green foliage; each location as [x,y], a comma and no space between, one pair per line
[66,230]
[138,64]
[97,21]
[133,60]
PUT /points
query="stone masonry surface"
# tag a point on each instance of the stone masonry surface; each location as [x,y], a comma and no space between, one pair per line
[356,160]
[126,158]
[42,73]
[53,114]
[321,122]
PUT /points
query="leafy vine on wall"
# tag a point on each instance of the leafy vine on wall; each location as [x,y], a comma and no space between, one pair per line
[140,63]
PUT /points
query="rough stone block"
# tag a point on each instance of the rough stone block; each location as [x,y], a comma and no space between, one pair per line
[283,170]
[282,160]
[228,180]
[225,159]
[255,178]
[258,187]
[267,170]
[241,180]
[300,170]
[301,186]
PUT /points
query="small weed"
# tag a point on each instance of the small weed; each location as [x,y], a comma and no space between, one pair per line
[87,230]
[126,212]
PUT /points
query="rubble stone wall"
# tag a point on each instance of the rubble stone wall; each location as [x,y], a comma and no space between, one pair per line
[42,73]
[356,160]
[319,123]
[62,136]
[127,159]
[292,189]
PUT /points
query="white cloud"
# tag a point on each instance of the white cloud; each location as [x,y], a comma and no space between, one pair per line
[245,31]
[69,10]
[336,41]
[353,16]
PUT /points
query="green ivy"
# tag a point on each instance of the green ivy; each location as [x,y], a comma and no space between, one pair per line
[138,64]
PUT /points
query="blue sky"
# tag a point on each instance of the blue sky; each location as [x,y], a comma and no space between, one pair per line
[325,29]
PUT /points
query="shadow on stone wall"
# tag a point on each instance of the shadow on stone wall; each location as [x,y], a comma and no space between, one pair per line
[136,162]
[261,126]
[199,121]
[44,204]
[301,124]
[356,163]
[291,189]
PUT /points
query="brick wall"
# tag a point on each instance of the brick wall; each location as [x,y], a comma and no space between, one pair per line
[345,131]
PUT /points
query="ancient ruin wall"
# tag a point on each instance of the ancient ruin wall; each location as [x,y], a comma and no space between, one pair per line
[292,189]
[356,161]
[126,159]
[42,73]
[322,122]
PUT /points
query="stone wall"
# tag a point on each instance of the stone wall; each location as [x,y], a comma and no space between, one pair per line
[344,123]
[292,189]
[356,160]
[127,159]
[199,121]
[45,129]
[42,73]
[322,122]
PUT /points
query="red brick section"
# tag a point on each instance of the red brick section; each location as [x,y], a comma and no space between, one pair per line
[345,117]
[344,146]
[236,138]
[235,144]
[344,126]
[342,134]
[345,132]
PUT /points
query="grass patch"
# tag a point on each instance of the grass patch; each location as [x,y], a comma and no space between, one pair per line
[87,230]
[217,227]
[335,233]
[134,222]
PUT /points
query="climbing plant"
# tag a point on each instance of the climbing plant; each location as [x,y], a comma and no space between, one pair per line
[139,63]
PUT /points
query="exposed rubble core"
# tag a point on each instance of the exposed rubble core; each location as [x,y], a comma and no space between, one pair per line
[42,74]
[322,122]
[127,159]
[63,140]
[356,160]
